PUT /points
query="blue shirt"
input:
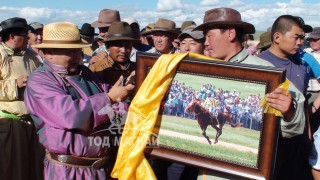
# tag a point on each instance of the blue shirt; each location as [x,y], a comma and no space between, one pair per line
[296,68]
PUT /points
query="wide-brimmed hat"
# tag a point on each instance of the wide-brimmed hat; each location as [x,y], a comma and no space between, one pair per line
[265,40]
[165,25]
[36,26]
[186,24]
[224,18]
[61,35]
[87,30]
[306,28]
[119,31]
[106,18]
[315,34]
[13,23]
[189,31]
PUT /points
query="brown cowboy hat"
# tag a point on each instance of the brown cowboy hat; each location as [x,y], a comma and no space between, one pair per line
[165,25]
[106,18]
[224,17]
[13,23]
[61,35]
[119,31]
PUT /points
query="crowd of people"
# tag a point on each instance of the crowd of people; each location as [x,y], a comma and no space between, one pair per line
[60,84]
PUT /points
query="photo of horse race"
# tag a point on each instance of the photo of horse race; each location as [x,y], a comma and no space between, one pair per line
[214,117]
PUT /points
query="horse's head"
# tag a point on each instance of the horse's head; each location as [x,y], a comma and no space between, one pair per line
[191,106]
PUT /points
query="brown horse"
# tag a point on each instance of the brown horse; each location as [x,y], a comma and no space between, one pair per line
[205,119]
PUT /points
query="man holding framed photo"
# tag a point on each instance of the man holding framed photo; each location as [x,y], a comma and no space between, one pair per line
[224,30]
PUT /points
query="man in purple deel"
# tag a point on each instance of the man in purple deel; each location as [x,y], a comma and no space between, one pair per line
[72,111]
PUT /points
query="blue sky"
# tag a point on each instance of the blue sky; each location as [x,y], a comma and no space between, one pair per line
[260,13]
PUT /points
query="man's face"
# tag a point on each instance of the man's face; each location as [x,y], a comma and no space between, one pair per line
[315,44]
[68,58]
[35,37]
[103,32]
[163,42]
[120,50]
[216,44]
[32,38]
[290,42]
[188,44]
[20,40]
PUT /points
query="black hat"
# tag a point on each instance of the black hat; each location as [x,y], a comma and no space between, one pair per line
[306,28]
[14,22]
[87,30]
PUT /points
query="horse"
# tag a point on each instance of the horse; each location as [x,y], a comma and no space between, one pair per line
[205,118]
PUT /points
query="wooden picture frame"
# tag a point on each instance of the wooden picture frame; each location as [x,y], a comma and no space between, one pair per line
[231,76]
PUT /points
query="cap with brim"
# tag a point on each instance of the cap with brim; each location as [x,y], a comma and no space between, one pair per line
[14,23]
[224,18]
[64,35]
[194,34]
[315,34]
[120,31]
[106,18]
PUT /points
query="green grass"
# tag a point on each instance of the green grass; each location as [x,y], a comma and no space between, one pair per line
[239,135]
[196,82]
[210,150]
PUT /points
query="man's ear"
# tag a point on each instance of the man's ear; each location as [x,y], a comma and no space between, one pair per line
[277,37]
[232,34]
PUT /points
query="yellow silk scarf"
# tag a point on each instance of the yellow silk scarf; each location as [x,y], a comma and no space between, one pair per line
[142,116]
[267,108]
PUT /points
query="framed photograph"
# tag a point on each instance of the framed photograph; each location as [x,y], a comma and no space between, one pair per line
[210,117]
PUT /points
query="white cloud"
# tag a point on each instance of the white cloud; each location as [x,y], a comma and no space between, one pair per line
[209,2]
[236,3]
[168,5]
[34,13]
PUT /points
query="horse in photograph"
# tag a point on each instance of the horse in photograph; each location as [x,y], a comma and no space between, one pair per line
[205,118]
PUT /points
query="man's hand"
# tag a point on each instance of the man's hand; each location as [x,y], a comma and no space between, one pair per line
[22,81]
[282,102]
[99,57]
[118,92]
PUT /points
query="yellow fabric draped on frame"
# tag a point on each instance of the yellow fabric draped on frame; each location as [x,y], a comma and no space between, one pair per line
[267,108]
[131,163]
